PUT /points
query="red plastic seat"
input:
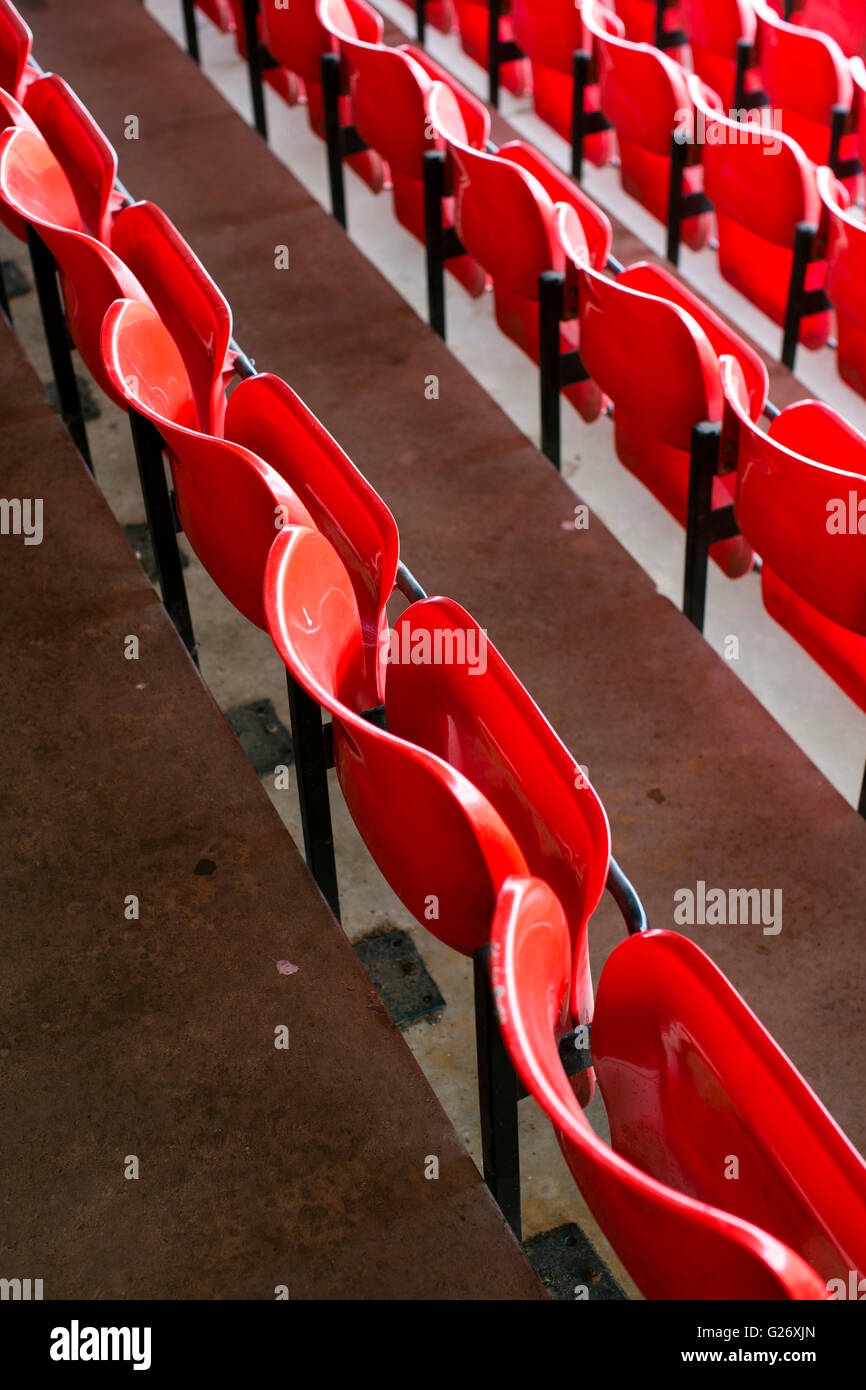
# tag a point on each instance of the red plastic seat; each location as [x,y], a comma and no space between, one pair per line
[230,503]
[286,84]
[265,416]
[846,278]
[480,719]
[16,43]
[762,186]
[297,39]
[805,75]
[715,27]
[550,38]
[506,218]
[86,156]
[473,20]
[660,396]
[435,837]
[390,91]
[152,264]
[13,114]
[842,20]
[801,491]
[689,1077]
[644,95]
[714,1083]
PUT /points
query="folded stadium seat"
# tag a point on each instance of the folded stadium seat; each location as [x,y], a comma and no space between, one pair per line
[767,208]
[286,84]
[801,502]
[265,416]
[469,777]
[845,233]
[13,114]
[716,28]
[505,218]
[229,502]
[481,720]
[86,156]
[640,19]
[16,42]
[644,94]
[805,76]
[550,40]
[857,68]
[435,837]
[660,397]
[296,38]
[689,1079]
[390,90]
[473,21]
[161,270]
[842,20]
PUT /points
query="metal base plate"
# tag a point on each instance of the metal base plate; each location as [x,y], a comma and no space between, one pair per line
[567,1264]
[408,990]
[263,737]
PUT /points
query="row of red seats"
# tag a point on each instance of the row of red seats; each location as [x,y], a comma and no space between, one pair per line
[787,236]
[544,245]
[491,822]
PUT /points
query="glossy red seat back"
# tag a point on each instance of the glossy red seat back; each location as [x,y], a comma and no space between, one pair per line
[639,19]
[87,157]
[219,12]
[34,188]
[805,75]
[474,713]
[189,303]
[787,483]
[16,43]
[761,185]
[843,20]
[692,1081]
[436,839]
[674,1245]
[550,37]
[230,503]
[267,417]
[643,94]
[660,396]
[846,278]
[715,27]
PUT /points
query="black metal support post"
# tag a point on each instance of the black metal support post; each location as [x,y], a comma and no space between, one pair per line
[861,805]
[497,1095]
[556,368]
[498,53]
[704,526]
[57,336]
[190,29]
[148,444]
[311,767]
[801,302]
[254,65]
[583,122]
[667,38]
[842,124]
[681,205]
[441,243]
[421,21]
[331,98]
